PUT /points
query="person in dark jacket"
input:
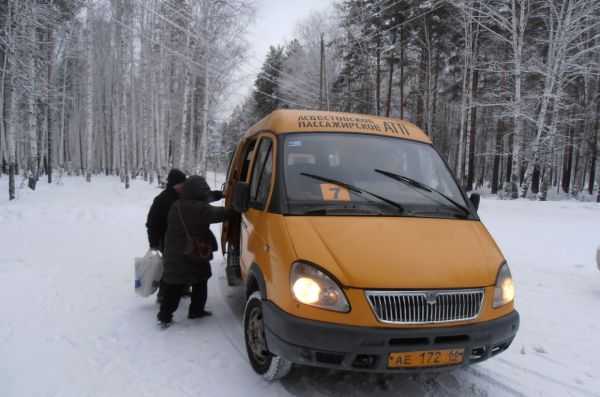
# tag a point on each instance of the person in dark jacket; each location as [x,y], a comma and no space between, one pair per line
[156,223]
[194,210]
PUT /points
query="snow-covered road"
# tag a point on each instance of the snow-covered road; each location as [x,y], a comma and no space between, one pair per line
[70,324]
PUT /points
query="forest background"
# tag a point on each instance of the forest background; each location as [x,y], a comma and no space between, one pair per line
[509,91]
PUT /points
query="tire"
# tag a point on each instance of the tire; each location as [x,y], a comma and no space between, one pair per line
[264,363]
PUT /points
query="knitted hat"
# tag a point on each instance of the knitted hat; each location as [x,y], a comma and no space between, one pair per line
[175,177]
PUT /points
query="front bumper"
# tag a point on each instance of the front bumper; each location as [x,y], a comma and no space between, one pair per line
[346,347]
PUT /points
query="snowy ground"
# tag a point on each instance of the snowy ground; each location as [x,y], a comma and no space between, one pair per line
[71,325]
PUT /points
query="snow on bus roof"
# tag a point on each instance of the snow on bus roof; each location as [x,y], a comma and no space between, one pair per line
[288,120]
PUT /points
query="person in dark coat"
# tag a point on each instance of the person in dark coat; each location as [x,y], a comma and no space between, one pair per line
[197,214]
[156,224]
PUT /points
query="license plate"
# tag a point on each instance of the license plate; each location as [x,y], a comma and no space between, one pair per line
[432,358]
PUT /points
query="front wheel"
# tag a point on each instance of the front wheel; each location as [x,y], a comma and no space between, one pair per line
[264,363]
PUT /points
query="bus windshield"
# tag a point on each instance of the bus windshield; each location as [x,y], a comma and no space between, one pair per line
[338,173]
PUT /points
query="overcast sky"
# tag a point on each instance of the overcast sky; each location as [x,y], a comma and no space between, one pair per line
[275,22]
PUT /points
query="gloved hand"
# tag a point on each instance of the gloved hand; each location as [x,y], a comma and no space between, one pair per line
[215,195]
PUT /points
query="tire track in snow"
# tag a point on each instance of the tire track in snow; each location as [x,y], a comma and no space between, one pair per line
[494,381]
[229,315]
[446,388]
[228,320]
[566,386]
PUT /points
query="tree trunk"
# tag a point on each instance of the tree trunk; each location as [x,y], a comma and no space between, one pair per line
[124,142]
[89,111]
[185,111]
[62,135]
[535,180]
[518,23]
[567,162]
[9,108]
[509,159]
[106,160]
[546,179]
[434,97]
[3,62]
[429,130]
[389,88]
[594,154]
[472,131]
[146,121]
[32,164]
[203,166]
[50,98]
[10,111]
[575,167]
[466,91]
[184,119]
[420,116]
[401,75]
[161,161]
[203,163]
[500,127]
[378,76]
[133,110]
[80,129]
[191,152]
[122,110]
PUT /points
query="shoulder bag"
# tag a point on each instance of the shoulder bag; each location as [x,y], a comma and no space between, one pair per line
[198,248]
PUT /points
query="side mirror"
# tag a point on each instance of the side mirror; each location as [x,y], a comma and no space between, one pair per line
[241,196]
[475,198]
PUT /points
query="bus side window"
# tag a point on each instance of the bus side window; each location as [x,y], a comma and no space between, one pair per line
[231,163]
[246,162]
[260,181]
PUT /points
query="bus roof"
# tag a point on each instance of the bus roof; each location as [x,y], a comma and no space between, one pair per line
[288,120]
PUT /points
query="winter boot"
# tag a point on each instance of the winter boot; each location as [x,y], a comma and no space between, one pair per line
[203,313]
[164,324]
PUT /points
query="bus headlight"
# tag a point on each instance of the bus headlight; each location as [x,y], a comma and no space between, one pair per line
[313,287]
[504,291]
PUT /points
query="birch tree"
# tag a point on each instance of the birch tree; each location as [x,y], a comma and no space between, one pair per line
[32,114]
[470,38]
[9,105]
[89,98]
[567,51]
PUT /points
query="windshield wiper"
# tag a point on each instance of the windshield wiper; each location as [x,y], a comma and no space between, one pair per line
[353,188]
[419,185]
[342,211]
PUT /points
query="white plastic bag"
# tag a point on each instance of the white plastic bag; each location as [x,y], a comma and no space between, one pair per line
[148,272]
